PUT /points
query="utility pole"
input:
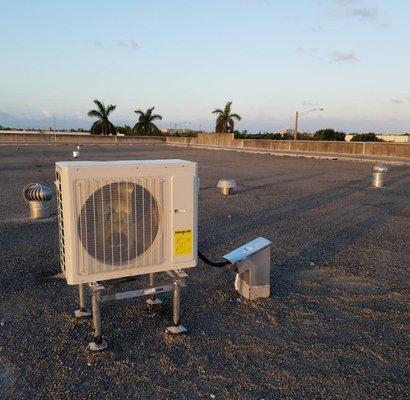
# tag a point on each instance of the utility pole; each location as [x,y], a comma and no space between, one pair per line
[295,133]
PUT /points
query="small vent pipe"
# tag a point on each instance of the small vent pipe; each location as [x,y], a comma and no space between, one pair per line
[226,186]
[378,174]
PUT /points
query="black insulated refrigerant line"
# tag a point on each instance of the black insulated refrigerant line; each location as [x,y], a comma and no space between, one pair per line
[206,260]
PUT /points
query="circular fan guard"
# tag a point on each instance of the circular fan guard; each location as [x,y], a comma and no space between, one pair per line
[118,222]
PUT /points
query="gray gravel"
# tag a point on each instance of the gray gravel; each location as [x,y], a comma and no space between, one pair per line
[335,326]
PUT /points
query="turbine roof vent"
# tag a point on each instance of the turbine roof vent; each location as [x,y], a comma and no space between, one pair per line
[37,192]
[380,168]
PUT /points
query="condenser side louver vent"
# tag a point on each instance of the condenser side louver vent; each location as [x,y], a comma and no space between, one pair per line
[60,220]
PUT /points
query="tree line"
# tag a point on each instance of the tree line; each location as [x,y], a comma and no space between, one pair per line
[322,134]
[225,121]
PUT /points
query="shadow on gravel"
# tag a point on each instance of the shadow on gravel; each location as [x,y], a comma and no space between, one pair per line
[249,188]
[283,282]
[272,214]
[368,213]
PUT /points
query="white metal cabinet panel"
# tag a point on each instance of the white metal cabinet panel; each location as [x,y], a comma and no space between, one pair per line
[118,219]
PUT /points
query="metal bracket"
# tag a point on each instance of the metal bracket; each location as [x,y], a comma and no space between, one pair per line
[82,314]
[137,293]
[152,303]
[178,275]
[252,261]
[93,346]
[96,287]
[176,330]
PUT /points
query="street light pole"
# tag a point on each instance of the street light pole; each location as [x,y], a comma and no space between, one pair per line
[295,132]
[299,114]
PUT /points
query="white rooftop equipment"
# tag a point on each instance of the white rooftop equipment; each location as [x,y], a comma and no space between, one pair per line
[125,218]
[120,219]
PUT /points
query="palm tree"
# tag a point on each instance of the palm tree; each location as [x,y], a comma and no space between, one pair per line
[145,126]
[103,126]
[225,120]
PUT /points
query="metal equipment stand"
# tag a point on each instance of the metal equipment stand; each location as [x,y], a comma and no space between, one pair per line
[178,281]
[82,312]
[98,343]
[152,300]
[176,328]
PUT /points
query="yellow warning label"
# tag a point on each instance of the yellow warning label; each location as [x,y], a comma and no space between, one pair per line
[183,242]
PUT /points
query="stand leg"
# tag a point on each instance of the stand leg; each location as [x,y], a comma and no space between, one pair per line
[152,300]
[99,343]
[176,328]
[82,312]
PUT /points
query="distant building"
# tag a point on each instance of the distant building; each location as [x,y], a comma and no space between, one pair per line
[171,131]
[395,137]
[388,137]
[287,131]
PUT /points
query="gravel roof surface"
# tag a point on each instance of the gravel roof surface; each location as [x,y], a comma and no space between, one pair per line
[335,326]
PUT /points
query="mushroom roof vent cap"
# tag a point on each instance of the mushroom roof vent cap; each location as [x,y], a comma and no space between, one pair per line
[226,183]
[380,168]
[37,192]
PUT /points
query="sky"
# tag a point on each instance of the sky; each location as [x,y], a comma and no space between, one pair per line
[271,58]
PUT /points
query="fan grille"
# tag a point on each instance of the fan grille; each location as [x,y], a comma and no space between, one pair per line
[119,224]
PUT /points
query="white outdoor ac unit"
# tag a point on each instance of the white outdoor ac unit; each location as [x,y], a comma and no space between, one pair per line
[124,218]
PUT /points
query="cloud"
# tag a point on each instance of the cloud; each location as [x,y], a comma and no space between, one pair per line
[364,12]
[316,28]
[303,50]
[128,44]
[45,113]
[97,43]
[342,57]
[350,8]
[397,101]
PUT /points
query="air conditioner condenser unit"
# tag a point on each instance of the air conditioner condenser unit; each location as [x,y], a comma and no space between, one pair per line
[126,218]
[119,219]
